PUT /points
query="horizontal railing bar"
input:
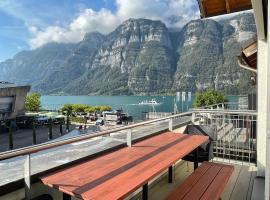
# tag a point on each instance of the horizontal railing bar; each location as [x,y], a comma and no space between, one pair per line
[53,144]
[231,149]
[234,112]
[219,104]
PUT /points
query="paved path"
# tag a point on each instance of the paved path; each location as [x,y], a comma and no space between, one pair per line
[48,159]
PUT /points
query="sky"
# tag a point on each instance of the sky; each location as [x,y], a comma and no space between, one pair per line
[29,24]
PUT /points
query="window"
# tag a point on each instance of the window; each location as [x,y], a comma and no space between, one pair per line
[6,104]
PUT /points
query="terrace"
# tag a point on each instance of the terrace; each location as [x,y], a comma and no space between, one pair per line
[241,137]
[235,144]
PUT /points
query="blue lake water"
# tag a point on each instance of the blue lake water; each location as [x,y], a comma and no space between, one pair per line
[130,104]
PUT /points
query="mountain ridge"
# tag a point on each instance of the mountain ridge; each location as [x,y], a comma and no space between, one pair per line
[140,56]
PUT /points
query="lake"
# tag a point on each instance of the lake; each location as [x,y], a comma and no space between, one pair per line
[130,104]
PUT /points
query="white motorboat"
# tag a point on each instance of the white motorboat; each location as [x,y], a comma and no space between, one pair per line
[149,102]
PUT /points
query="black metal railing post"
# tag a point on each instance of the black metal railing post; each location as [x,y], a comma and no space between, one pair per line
[34,133]
[61,128]
[50,129]
[67,124]
[10,136]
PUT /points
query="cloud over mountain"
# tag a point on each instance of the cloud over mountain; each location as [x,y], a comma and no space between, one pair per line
[174,13]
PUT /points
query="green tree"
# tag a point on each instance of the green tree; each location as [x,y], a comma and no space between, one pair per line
[67,109]
[105,108]
[97,108]
[90,109]
[208,98]
[32,102]
[81,108]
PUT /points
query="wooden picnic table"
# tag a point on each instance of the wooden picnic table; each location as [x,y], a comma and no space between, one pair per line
[118,174]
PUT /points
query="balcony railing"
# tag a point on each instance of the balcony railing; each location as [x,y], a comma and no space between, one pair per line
[227,106]
[235,132]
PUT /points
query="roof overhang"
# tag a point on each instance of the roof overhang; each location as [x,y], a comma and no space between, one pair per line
[210,8]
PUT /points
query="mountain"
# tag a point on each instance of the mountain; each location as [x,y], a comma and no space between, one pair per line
[208,50]
[140,56]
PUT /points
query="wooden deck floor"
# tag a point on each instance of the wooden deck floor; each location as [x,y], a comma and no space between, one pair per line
[239,186]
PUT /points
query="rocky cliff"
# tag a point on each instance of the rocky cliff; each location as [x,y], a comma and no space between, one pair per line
[140,56]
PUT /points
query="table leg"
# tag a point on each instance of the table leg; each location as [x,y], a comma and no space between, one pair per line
[170,174]
[145,192]
[195,153]
[66,196]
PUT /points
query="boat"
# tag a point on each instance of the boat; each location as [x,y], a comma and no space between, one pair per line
[149,102]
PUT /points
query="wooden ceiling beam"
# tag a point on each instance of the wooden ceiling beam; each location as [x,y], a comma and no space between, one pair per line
[228,6]
[210,8]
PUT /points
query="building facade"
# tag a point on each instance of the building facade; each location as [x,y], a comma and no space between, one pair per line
[12,100]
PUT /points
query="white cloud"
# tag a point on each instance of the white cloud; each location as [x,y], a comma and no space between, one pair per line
[102,21]
[152,9]
[175,13]
[88,21]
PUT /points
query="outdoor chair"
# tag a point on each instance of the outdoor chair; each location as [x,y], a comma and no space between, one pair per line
[205,151]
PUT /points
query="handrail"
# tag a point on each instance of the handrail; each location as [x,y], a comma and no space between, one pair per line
[233,112]
[217,105]
[53,144]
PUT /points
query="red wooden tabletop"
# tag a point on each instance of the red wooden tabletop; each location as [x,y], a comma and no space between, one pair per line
[118,174]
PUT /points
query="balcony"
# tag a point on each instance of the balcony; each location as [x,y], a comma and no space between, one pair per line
[235,144]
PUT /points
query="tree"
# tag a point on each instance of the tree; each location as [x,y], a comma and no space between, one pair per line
[105,108]
[32,102]
[67,109]
[208,98]
[81,108]
[90,109]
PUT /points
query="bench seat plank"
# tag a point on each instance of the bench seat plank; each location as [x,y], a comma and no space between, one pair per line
[215,190]
[206,182]
[190,182]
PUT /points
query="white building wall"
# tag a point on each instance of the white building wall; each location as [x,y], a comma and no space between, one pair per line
[263,124]
[262,107]
[263,88]
[267,171]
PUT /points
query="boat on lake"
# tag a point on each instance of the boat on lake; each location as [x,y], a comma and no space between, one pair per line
[149,102]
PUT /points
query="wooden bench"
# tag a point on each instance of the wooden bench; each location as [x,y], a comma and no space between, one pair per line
[206,182]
